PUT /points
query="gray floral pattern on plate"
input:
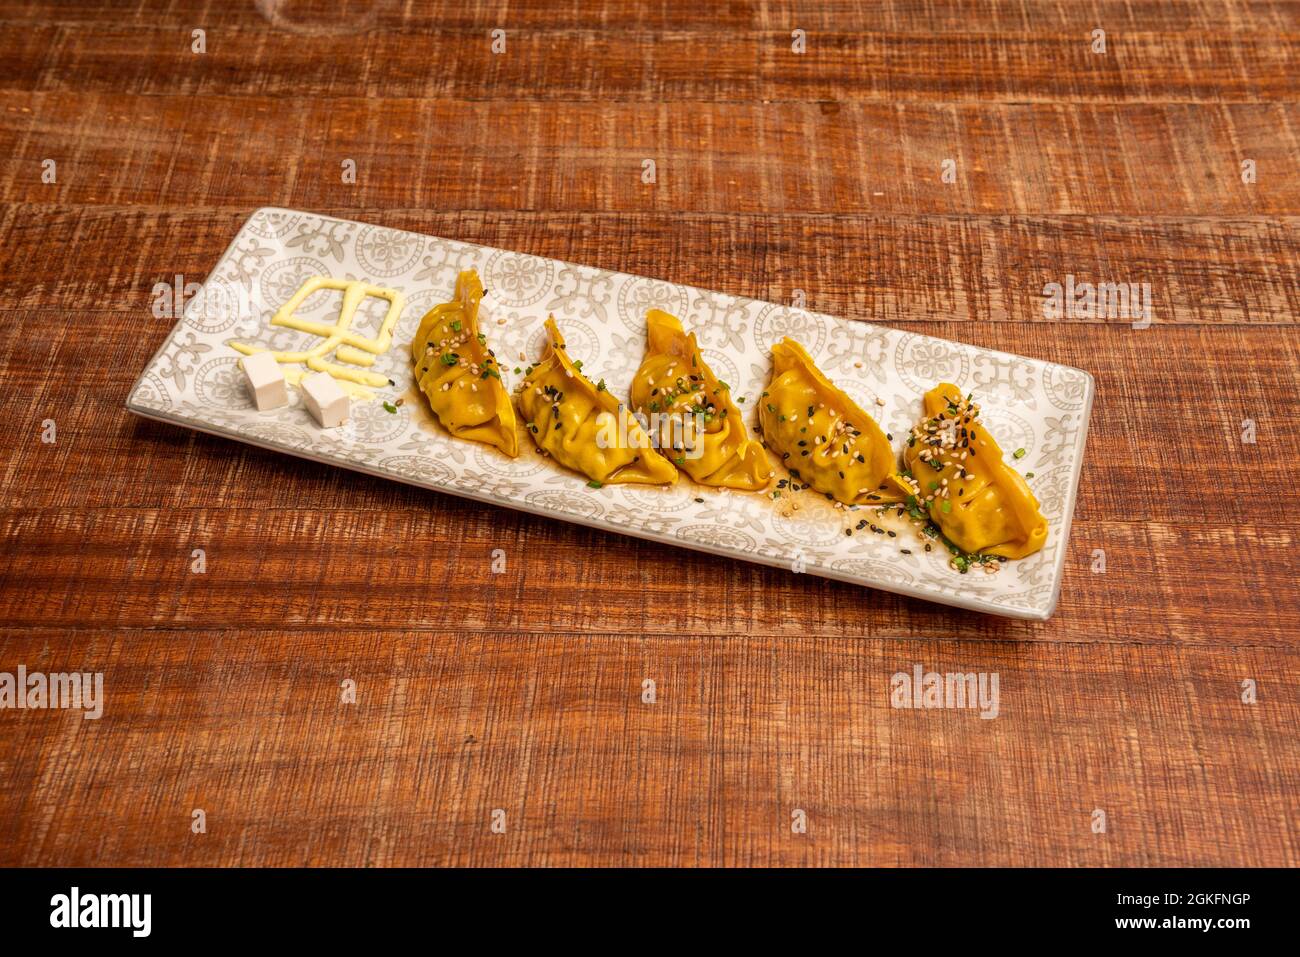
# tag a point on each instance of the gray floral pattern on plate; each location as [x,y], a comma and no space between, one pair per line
[1043,408]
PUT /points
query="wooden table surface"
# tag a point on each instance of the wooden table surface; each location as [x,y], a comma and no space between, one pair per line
[523,692]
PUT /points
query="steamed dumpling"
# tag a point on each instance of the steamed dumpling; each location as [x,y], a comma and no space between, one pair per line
[460,375]
[822,436]
[674,379]
[978,501]
[582,426]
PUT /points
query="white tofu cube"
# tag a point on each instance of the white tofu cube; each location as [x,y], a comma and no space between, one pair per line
[326,400]
[265,381]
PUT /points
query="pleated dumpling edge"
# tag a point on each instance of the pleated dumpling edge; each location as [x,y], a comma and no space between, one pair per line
[982,504]
[822,436]
[459,375]
[582,426]
[674,381]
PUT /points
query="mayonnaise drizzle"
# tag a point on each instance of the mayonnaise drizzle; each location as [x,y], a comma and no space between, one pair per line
[348,346]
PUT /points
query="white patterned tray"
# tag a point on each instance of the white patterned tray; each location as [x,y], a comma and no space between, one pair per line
[193,381]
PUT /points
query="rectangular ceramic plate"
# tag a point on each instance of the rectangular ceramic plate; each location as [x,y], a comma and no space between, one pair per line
[1038,406]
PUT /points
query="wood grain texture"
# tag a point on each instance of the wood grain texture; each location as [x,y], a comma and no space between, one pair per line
[450,725]
[522,691]
[131,567]
[650,66]
[828,157]
[992,17]
[972,272]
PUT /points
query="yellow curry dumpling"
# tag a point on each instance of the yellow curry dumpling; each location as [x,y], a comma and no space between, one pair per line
[978,501]
[823,437]
[715,448]
[582,426]
[460,375]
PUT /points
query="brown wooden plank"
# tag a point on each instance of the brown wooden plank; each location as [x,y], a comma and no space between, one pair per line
[523,690]
[1172,405]
[591,64]
[889,268]
[1150,383]
[1224,371]
[291,567]
[1000,17]
[248,725]
[730,157]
